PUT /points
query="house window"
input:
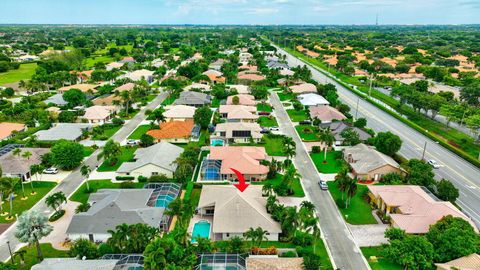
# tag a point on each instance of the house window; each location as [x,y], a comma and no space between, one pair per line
[241,133]
[209,212]
[228,234]
[223,133]
[154,173]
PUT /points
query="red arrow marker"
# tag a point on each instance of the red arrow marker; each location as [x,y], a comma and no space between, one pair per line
[241,181]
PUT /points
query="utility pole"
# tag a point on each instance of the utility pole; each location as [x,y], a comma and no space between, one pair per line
[424,149]
[356,110]
[371,82]
[10,251]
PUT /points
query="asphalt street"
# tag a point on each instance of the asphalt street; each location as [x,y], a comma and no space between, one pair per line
[70,184]
[464,175]
[345,253]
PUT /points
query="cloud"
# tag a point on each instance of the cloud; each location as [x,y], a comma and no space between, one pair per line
[263,11]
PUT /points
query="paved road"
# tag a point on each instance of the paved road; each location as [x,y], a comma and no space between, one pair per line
[463,175]
[75,179]
[345,253]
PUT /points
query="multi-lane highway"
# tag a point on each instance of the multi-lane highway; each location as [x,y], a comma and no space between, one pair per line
[464,175]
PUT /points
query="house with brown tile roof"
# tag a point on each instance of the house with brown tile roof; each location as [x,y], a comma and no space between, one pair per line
[326,114]
[303,88]
[238,113]
[84,87]
[125,87]
[107,100]
[215,76]
[8,129]
[411,208]
[173,131]
[246,78]
[98,114]
[243,99]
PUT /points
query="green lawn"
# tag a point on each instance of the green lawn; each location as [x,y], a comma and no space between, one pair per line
[334,161]
[41,188]
[169,100]
[274,145]
[296,186]
[107,131]
[127,155]
[264,107]
[81,195]
[138,132]
[381,263]
[359,211]
[307,133]
[131,114]
[31,256]
[285,96]
[24,72]
[267,121]
[215,103]
[297,116]
[91,61]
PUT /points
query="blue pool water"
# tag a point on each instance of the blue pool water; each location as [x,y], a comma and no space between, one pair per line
[216,142]
[164,200]
[201,229]
[215,268]
[136,268]
[211,174]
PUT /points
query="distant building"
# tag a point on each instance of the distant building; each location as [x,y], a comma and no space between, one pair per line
[192,98]
[7,130]
[65,131]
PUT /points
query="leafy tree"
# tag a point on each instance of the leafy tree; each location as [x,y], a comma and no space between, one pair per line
[259,92]
[452,238]
[392,179]
[412,252]
[387,143]
[470,94]
[419,173]
[131,238]
[67,117]
[312,261]
[111,151]
[202,116]
[146,140]
[85,170]
[67,154]
[84,248]
[360,123]
[447,191]
[235,245]
[74,97]
[56,200]
[395,234]
[350,137]
[235,100]
[473,123]
[166,253]
[31,227]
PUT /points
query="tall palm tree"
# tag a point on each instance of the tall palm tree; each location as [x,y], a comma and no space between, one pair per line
[271,202]
[110,151]
[327,138]
[8,187]
[267,189]
[85,170]
[260,235]
[316,235]
[119,237]
[290,152]
[126,98]
[250,234]
[351,190]
[35,169]
[308,208]
[341,180]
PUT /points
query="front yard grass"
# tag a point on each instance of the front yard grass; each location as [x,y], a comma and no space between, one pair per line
[138,132]
[334,161]
[107,131]
[31,256]
[263,107]
[381,263]
[81,195]
[284,96]
[307,133]
[127,155]
[87,151]
[277,180]
[297,116]
[274,145]
[267,121]
[359,211]
[41,188]
[24,72]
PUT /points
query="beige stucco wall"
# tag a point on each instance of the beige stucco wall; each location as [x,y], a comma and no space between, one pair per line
[148,169]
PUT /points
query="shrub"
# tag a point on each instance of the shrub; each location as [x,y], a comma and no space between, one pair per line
[117,121]
[56,216]
[161,178]
[125,178]
[288,254]
[104,248]
[303,239]
[142,179]
[84,248]
[316,149]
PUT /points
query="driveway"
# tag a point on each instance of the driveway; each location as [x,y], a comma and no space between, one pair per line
[369,235]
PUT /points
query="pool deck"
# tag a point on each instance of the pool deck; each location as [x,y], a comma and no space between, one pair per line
[197,218]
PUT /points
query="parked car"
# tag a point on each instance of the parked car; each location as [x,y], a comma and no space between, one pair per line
[265,131]
[274,128]
[433,163]
[51,170]
[132,142]
[305,122]
[264,113]
[323,185]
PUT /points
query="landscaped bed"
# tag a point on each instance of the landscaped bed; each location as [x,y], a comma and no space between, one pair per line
[297,116]
[359,211]
[381,263]
[40,187]
[334,161]
[127,155]
[307,133]
[277,180]
[81,195]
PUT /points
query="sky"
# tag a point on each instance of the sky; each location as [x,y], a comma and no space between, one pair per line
[240,11]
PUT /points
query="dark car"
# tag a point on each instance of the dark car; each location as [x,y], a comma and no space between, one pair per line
[305,122]
[265,131]
[264,113]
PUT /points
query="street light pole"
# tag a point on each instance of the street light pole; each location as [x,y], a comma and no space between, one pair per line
[371,82]
[356,110]
[10,251]
[424,149]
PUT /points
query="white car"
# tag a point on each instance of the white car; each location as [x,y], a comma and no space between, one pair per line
[51,170]
[274,129]
[132,142]
[433,163]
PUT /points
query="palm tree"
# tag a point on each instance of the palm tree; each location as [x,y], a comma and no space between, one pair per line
[82,208]
[308,208]
[119,237]
[31,227]
[8,187]
[110,151]
[126,98]
[290,152]
[260,235]
[35,169]
[55,201]
[291,220]
[21,253]
[316,235]
[271,202]
[85,171]
[341,179]
[351,190]
[327,138]
[250,234]
[16,152]
[267,189]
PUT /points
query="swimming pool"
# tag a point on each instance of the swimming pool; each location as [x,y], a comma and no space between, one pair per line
[164,200]
[201,229]
[211,174]
[216,142]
